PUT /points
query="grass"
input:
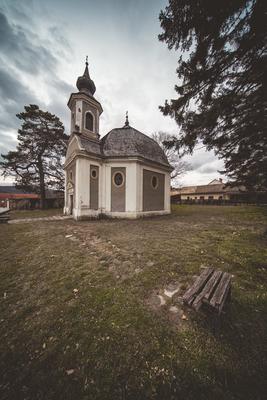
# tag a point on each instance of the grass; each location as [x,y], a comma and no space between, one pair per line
[105,341]
[21,214]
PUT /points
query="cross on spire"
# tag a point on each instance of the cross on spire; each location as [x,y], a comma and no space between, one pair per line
[126,120]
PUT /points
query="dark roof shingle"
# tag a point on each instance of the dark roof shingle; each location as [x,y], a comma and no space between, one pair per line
[129,142]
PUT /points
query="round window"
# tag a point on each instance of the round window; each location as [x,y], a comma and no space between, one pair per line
[118,179]
[154,182]
[94,173]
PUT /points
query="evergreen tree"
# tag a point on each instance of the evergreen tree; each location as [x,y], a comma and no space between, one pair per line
[37,162]
[222,89]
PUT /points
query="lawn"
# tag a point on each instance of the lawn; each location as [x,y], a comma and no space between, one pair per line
[21,214]
[81,317]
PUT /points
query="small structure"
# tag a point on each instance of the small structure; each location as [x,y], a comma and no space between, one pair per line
[4,215]
[125,174]
[17,199]
[13,198]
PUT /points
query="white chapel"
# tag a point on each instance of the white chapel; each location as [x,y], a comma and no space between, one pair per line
[124,174]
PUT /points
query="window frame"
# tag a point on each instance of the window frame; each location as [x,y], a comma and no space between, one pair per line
[91,173]
[113,179]
[89,112]
[157,182]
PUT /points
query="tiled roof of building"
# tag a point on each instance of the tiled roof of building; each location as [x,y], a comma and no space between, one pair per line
[125,142]
[129,142]
[90,146]
[14,192]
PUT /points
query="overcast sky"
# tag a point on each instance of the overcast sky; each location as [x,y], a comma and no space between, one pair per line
[43,45]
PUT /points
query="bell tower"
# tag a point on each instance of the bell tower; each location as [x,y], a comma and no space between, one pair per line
[85,109]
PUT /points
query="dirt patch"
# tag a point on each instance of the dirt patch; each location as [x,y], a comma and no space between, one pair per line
[168,302]
[121,263]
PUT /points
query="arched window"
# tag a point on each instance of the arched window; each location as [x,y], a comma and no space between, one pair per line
[89,121]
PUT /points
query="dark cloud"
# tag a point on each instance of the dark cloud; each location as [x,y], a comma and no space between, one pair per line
[16,46]
[14,96]
[24,53]
[131,69]
[207,169]
[12,89]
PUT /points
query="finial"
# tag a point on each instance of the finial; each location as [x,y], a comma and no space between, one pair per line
[126,120]
[86,60]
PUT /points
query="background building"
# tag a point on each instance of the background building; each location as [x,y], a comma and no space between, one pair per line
[18,199]
[216,192]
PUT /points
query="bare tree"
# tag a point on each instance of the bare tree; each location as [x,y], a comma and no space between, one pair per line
[179,167]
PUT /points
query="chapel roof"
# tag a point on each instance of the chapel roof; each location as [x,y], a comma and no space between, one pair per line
[90,146]
[129,142]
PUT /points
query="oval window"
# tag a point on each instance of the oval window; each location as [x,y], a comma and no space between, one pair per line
[154,182]
[94,173]
[118,179]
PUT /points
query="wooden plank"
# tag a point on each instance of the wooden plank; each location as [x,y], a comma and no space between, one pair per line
[207,290]
[197,286]
[221,290]
[212,283]
[3,220]
[4,212]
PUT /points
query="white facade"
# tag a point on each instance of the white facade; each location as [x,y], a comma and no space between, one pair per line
[109,177]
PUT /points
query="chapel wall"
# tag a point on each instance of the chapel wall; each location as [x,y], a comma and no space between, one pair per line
[153,194]
[94,187]
[118,192]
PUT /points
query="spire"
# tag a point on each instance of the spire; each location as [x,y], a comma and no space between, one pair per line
[86,71]
[126,120]
[85,83]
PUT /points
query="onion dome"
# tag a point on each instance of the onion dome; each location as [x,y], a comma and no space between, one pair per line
[85,83]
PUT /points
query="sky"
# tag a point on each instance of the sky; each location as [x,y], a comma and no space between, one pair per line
[43,45]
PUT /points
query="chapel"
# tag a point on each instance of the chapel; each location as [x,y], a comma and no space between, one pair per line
[124,174]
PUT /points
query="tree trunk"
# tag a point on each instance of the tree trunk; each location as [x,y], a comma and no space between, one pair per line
[42,183]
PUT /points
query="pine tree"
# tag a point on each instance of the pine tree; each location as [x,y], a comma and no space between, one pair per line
[222,89]
[37,162]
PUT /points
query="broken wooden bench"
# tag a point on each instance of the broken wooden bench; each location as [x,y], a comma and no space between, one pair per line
[4,216]
[211,288]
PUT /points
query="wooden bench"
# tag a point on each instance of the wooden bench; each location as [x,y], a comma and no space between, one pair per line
[4,216]
[211,288]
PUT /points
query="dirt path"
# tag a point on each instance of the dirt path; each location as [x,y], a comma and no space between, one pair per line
[125,264]
[52,218]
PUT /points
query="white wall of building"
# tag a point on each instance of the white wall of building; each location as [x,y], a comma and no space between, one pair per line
[133,192]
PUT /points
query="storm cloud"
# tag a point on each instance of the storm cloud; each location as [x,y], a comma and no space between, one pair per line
[42,52]
[27,66]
